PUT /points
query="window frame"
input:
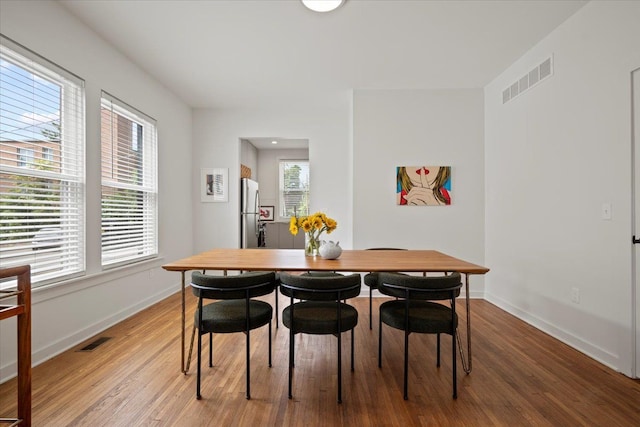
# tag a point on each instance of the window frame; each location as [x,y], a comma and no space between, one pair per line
[55,250]
[144,140]
[47,154]
[25,157]
[281,184]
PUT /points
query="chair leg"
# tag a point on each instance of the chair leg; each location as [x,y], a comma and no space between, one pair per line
[438,352]
[370,308]
[291,344]
[380,343]
[453,361]
[276,289]
[248,363]
[339,367]
[198,395]
[352,355]
[270,343]
[406,364]
[211,349]
[293,353]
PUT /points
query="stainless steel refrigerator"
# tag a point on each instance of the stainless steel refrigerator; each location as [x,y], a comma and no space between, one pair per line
[251,229]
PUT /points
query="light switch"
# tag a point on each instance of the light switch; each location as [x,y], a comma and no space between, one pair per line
[606,211]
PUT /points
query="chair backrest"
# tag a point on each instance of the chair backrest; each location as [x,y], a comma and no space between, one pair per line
[320,288]
[253,284]
[420,287]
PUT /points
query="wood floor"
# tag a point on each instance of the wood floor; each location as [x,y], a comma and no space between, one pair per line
[520,377]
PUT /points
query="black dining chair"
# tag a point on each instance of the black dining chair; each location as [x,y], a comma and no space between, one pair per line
[414,310]
[371,280]
[235,310]
[321,310]
[309,273]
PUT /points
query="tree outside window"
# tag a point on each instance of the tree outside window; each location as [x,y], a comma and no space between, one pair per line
[294,188]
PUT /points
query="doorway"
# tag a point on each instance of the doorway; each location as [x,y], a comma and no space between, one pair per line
[260,158]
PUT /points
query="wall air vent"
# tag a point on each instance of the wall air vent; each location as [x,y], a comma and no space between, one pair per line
[95,344]
[506,95]
[529,80]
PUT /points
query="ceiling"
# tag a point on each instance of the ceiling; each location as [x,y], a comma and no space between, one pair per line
[262,143]
[266,53]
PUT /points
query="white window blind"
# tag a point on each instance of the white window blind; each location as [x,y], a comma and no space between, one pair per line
[41,166]
[294,188]
[129,183]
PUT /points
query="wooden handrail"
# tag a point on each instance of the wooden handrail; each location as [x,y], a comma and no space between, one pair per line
[22,309]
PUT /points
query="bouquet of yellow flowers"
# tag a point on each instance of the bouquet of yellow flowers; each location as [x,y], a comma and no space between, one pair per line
[313,225]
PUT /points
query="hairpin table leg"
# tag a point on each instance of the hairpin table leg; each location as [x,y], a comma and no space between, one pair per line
[465,366]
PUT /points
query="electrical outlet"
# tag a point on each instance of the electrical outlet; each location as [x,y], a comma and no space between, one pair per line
[575,295]
[151,272]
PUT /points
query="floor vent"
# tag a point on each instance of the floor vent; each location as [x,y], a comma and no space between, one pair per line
[529,80]
[92,346]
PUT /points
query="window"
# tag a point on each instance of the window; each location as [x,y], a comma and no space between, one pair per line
[294,188]
[47,154]
[129,183]
[41,198]
[25,158]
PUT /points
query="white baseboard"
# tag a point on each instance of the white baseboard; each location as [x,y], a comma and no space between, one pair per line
[596,353]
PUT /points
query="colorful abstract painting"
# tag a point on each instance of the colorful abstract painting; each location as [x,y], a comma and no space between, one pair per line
[423,185]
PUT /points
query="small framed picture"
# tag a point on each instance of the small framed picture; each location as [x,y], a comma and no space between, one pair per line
[266,213]
[214,186]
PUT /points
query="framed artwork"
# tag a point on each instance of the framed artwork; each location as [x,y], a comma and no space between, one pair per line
[423,185]
[266,213]
[214,185]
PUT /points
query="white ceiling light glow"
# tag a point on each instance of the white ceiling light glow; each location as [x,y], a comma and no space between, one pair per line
[322,5]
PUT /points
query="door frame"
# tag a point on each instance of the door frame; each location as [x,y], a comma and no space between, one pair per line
[635,289]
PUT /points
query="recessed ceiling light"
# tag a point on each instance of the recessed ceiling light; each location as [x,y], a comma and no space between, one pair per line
[274,142]
[322,5]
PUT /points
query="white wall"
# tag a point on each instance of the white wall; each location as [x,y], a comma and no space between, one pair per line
[411,128]
[67,314]
[216,134]
[554,155]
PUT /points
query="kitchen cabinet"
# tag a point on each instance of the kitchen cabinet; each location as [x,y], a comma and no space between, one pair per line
[277,236]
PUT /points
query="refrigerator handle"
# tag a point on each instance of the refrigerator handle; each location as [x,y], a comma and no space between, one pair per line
[245,197]
[257,212]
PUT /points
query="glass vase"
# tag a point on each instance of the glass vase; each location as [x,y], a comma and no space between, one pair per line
[311,245]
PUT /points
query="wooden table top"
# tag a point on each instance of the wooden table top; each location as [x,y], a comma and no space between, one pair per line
[350,260]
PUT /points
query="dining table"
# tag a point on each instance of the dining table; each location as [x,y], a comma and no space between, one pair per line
[409,261]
